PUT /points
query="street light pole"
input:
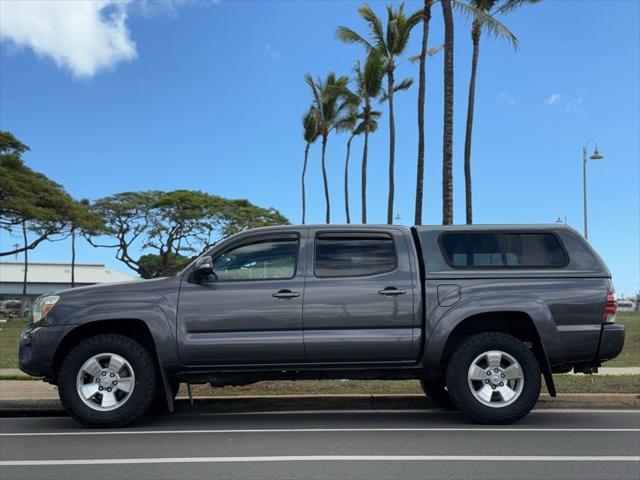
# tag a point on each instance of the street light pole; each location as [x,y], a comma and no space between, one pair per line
[595,156]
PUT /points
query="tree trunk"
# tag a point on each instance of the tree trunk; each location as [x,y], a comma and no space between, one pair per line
[304,172]
[475,37]
[392,147]
[346,180]
[426,17]
[23,304]
[324,178]
[447,137]
[364,164]
[73,258]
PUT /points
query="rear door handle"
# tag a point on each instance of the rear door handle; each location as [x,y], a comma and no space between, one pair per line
[285,294]
[391,291]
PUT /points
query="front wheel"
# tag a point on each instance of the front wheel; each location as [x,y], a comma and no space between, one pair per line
[107,381]
[493,378]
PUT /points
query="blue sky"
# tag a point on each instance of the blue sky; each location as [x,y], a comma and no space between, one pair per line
[209,96]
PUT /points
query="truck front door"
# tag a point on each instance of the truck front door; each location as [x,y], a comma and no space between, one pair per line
[249,311]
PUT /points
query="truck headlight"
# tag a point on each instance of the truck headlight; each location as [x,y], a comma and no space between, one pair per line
[42,306]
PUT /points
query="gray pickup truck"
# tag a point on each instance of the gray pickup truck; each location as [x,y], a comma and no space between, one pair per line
[478,314]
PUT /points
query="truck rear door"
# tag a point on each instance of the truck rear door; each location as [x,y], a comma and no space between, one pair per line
[359,296]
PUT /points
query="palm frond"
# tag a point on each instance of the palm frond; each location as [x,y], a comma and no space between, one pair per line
[375,27]
[403,85]
[347,35]
[483,19]
[434,50]
[510,5]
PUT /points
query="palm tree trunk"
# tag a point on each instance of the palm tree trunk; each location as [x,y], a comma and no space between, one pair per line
[304,172]
[23,305]
[447,137]
[73,258]
[426,17]
[475,37]
[346,180]
[364,165]
[324,178]
[392,147]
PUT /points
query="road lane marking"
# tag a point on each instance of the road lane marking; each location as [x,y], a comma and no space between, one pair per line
[312,430]
[323,458]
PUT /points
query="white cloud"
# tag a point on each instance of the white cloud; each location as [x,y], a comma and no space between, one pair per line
[82,36]
[270,53]
[506,98]
[553,99]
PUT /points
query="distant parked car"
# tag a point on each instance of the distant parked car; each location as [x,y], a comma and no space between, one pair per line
[10,308]
[476,313]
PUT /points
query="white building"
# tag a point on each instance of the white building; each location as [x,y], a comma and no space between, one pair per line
[48,277]
[627,305]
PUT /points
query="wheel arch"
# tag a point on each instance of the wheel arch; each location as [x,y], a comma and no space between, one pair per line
[133,328]
[527,319]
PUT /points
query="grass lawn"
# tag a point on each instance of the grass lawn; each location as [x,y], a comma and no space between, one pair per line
[564,384]
[9,336]
[630,356]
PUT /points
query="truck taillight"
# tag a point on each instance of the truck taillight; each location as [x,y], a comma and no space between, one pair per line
[610,308]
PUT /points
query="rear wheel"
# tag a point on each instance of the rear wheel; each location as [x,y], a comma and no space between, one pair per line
[107,381]
[493,378]
[436,390]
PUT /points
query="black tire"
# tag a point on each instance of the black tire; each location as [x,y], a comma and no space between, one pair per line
[142,395]
[435,389]
[461,392]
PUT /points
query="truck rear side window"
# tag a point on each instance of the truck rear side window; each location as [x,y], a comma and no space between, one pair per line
[503,250]
[473,249]
[353,255]
[533,250]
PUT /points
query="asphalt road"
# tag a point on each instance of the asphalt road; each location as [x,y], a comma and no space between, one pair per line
[319,445]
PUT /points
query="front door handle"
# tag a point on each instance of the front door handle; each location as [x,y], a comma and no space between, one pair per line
[285,294]
[391,291]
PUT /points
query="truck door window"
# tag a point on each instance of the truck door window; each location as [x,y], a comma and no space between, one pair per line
[261,260]
[353,254]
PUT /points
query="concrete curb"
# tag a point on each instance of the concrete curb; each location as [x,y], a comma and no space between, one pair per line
[232,404]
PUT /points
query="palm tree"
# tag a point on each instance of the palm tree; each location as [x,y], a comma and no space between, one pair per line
[332,107]
[389,44]
[310,134]
[447,134]
[426,18]
[365,121]
[368,88]
[483,17]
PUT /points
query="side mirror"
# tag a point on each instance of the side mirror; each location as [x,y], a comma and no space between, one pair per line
[203,267]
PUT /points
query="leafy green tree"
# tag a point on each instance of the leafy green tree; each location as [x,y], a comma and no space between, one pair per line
[332,108]
[483,13]
[154,266]
[389,44]
[29,201]
[35,206]
[311,132]
[173,225]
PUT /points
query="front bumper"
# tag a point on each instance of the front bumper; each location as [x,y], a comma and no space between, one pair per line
[37,348]
[611,341]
